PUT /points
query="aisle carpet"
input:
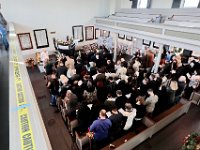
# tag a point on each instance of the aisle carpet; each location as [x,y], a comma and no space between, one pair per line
[58,134]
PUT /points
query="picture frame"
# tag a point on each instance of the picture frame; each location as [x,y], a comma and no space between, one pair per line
[121,36]
[101,33]
[89,33]
[155,45]
[77,32]
[104,33]
[166,47]
[129,38]
[41,38]
[146,42]
[97,33]
[25,41]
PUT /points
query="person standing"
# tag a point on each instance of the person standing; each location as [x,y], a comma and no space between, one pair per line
[53,86]
[118,123]
[150,102]
[100,128]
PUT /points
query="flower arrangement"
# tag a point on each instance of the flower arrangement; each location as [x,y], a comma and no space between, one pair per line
[30,62]
[191,142]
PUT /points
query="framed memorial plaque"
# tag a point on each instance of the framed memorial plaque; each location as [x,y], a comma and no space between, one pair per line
[97,33]
[41,38]
[155,45]
[25,41]
[106,33]
[89,33]
[129,38]
[77,32]
[146,42]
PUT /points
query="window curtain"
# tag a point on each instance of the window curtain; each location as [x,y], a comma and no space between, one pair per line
[176,3]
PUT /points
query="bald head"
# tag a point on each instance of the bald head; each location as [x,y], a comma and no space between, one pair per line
[102,114]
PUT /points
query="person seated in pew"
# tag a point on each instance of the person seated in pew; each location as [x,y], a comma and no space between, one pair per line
[118,123]
[130,113]
[100,128]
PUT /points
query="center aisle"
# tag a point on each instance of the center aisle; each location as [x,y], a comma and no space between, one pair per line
[56,129]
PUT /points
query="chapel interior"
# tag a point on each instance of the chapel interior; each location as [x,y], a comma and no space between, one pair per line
[100,74]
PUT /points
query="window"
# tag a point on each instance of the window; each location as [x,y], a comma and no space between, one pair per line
[142,3]
[190,3]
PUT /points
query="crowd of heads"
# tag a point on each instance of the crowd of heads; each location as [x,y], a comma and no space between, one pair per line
[94,78]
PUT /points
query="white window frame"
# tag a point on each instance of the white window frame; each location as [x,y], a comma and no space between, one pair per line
[183,4]
[139,4]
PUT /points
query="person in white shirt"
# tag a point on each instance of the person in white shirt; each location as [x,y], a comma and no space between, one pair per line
[44,55]
[130,113]
[136,65]
[121,71]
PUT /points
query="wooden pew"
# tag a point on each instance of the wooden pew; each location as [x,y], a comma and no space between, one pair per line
[167,112]
[131,140]
[195,98]
[81,140]
[71,124]
[146,122]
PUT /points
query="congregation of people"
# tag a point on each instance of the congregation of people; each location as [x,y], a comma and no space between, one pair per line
[109,98]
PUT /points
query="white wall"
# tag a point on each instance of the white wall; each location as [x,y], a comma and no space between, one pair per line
[118,4]
[58,16]
[161,3]
[125,4]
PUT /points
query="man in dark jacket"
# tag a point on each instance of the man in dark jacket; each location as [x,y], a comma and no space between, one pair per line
[61,70]
[120,100]
[118,122]
[53,86]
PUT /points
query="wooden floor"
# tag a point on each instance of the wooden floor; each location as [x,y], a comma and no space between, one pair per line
[58,134]
[170,138]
